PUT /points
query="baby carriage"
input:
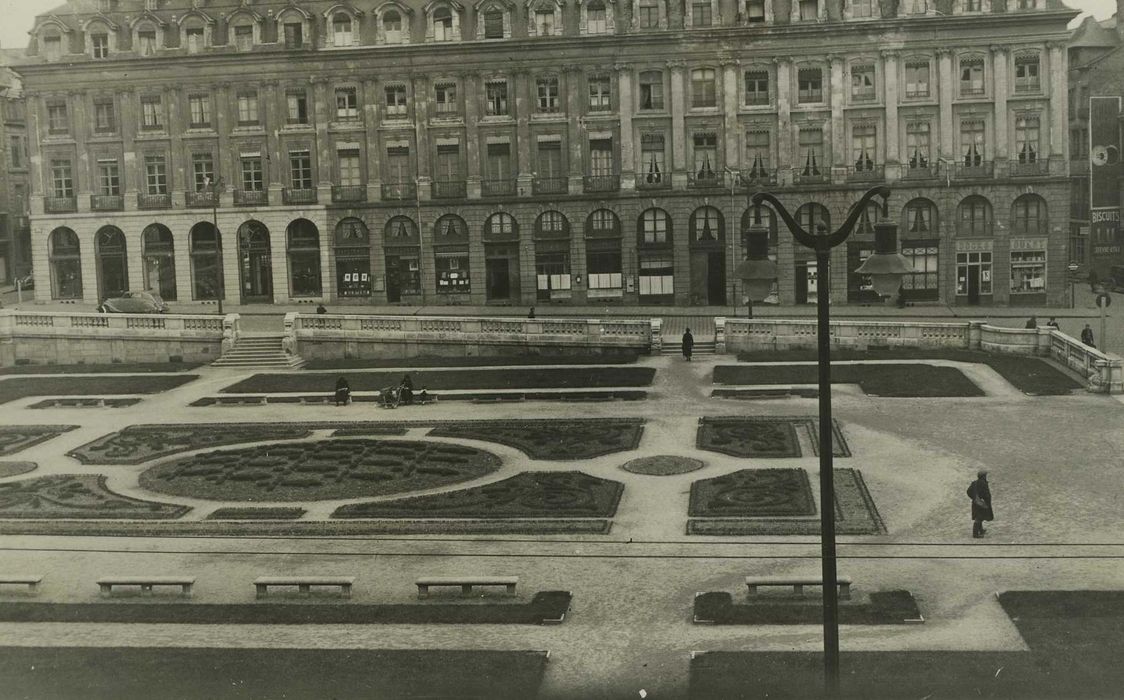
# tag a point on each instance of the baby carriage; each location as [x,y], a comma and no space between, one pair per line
[390,396]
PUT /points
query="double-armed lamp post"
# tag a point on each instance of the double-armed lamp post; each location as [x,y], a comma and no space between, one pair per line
[886,268]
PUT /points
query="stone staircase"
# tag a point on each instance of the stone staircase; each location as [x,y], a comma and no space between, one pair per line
[256,351]
[674,346]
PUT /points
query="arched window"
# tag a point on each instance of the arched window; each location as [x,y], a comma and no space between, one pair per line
[501,225]
[401,228]
[444,21]
[973,217]
[255,264]
[158,252]
[597,17]
[450,227]
[552,224]
[203,244]
[353,258]
[767,217]
[812,217]
[654,227]
[544,17]
[707,225]
[403,259]
[112,262]
[343,32]
[1028,215]
[304,258]
[66,264]
[493,20]
[871,214]
[919,219]
[393,23]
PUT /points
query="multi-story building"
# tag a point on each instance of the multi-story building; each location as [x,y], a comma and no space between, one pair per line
[1096,77]
[15,182]
[598,151]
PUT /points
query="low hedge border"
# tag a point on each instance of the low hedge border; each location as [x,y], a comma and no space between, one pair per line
[605,358]
[322,399]
[884,608]
[545,607]
[256,514]
[305,528]
[29,436]
[86,402]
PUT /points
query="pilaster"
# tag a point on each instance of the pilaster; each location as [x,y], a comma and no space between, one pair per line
[890,95]
[325,102]
[784,120]
[469,90]
[945,87]
[837,100]
[127,100]
[420,101]
[999,56]
[1059,95]
[371,138]
[224,103]
[572,81]
[730,114]
[624,111]
[678,70]
[523,145]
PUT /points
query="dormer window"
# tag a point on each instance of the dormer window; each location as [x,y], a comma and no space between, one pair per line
[244,37]
[544,22]
[52,47]
[146,42]
[99,45]
[755,11]
[194,39]
[294,35]
[493,23]
[342,32]
[596,20]
[809,10]
[443,24]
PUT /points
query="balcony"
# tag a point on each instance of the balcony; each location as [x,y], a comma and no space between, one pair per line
[757,178]
[399,190]
[449,189]
[498,188]
[653,181]
[810,177]
[349,193]
[982,170]
[702,181]
[867,172]
[550,185]
[294,196]
[1032,168]
[201,199]
[60,205]
[154,201]
[107,202]
[251,198]
[919,172]
[601,183]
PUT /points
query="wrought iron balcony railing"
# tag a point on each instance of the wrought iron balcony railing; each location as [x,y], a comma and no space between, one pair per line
[301,196]
[550,185]
[349,193]
[60,205]
[399,190]
[601,183]
[154,201]
[450,189]
[203,198]
[107,202]
[251,198]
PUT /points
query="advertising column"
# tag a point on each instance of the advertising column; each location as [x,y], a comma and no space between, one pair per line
[1104,181]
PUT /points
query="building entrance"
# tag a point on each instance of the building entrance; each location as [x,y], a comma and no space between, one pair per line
[255,267]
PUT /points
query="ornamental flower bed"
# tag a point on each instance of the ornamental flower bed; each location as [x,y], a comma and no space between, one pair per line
[76,496]
[753,492]
[552,439]
[883,608]
[15,438]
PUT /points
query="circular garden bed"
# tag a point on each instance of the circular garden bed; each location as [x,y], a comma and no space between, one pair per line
[321,470]
[663,465]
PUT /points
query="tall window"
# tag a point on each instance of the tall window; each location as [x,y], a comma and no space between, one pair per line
[100,45]
[109,177]
[17,152]
[863,146]
[498,163]
[294,35]
[397,165]
[809,10]
[974,214]
[549,160]
[971,75]
[244,37]
[917,144]
[195,39]
[152,112]
[809,84]
[392,27]
[493,24]
[755,11]
[757,150]
[341,30]
[648,14]
[546,90]
[811,152]
[916,79]
[495,98]
[544,22]
[202,170]
[252,176]
[596,20]
[300,170]
[58,119]
[705,153]
[347,103]
[448,164]
[248,109]
[757,87]
[445,98]
[1026,73]
[52,48]
[1027,138]
[701,14]
[199,107]
[1028,215]
[862,9]
[155,174]
[813,217]
[862,83]
[600,157]
[703,92]
[923,282]
[920,219]
[62,178]
[348,161]
[146,42]
[104,119]
[600,93]
[396,101]
[653,226]
[443,24]
[1028,271]
[972,142]
[296,102]
[651,90]
[652,155]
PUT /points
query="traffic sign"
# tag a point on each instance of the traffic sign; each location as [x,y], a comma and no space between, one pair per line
[1104,300]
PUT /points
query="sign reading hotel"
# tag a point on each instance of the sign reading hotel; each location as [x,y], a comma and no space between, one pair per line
[1104,180]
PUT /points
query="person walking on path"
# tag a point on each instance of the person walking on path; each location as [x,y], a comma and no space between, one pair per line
[688,344]
[1032,322]
[980,493]
[1052,323]
[343,392]
[1087,336]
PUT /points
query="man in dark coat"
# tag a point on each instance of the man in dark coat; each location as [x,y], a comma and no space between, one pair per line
[343,392]
[1087,336]
[688,344]
[980,493]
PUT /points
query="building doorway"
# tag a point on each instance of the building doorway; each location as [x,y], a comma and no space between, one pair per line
[113,269]
[255,268]
[498,273]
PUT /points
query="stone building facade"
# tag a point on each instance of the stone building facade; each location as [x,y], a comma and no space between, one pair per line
[547,151]
[15,180]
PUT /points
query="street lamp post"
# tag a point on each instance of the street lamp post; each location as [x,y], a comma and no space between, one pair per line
[886,268]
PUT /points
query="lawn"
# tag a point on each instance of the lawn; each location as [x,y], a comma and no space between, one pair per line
[116,368]
[1030,375]
[133,673]
[908,380]
[610,358]
[543,378]
[13,388]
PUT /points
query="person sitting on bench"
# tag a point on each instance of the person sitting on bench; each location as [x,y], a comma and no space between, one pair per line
[343,392]
[406,390]
[423,396]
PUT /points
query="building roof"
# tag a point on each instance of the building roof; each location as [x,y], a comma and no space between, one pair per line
[1093,34]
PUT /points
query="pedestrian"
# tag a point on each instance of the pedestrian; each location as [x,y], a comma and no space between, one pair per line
[688,344]
[343,392]
[1052,323]
[406,390]
[980,493]
[531,313]
[1087,336]
[1032,322]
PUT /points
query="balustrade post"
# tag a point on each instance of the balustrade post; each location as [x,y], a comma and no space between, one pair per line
[655,338]
[720,335]
[289,341]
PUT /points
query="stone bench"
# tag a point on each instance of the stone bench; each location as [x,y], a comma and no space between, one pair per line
[146,583]
[797,583]
[304,583]
[31,581]
[466,583]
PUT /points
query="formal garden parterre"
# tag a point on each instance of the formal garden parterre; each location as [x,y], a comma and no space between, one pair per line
[16,438]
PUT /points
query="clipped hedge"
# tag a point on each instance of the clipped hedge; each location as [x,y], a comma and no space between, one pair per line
[885,608]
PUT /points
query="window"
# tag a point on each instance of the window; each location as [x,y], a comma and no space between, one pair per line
[703,93]
[862,9]
[701,14]
[862,83]
[705,156]
[62,178]
[351,174]
[1026,4]
[1027,138]
[493,24]
[757,87]
[1028,215]
[809,10]
[451,269]
[297,107]
[99,45]
[863,146]
[653,159]
[603,222]
[922,283]
[194,39]
[811,152]
[973,5]
[244,37]
[653,226]
[341,30]
[648,15]
[972,142]
[656,276]
[498,163]
[200,108]
[603,260]
[651,90]
[552,223]
[971,75]
[304,258]
[601,157]
[757,149]
[397,165]
[596,19]
[104,119]
[146,42]
[495,98]
[448,163]
[443,24]
[600,93]
[552,274]
[501,225]
[549,161]
[294,35]
[916,79]
[755,11]
[706,225]
[152,113]
[109,177]
[347,103]
[547,92]
[58,120]
[392,27]
[52,48]
[813,217]
[66,265]
[202,170]
[247,109]
[1028,271]
[919,219]
[974,217]
[445,98]
[15,152]
[544,23]
[252,176]
[809,83]
[396,101]
[155,174]
[300,170]
[973,269]
[917,144]
[1026,73]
